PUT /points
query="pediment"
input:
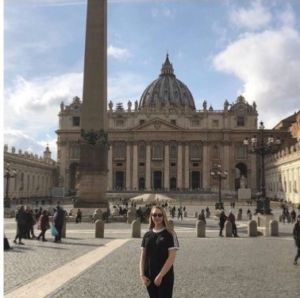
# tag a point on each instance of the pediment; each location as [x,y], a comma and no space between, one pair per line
[156,125]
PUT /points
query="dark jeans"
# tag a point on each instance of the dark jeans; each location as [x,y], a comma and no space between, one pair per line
[165,289]
[42,234]
[298,250]
[221,230]
[59,229]
[20,232]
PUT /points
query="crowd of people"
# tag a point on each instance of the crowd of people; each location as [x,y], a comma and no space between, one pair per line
[27,219]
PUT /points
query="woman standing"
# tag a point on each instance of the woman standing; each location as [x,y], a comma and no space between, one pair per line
[43,225]
[158,254]
[296,234]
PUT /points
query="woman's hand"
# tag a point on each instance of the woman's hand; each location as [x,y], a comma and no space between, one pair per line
[145,280]
[158,280]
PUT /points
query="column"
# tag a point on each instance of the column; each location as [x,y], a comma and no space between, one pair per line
[167,168]
[128,166]
[148,166]
[179,166]
[226,167]
[135,167]
[187,167]
[206,166]
[253,181]
[110,170]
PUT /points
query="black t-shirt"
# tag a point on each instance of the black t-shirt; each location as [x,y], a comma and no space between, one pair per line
[157,245]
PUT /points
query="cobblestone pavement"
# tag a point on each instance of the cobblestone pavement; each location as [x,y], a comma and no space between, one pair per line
[209,267]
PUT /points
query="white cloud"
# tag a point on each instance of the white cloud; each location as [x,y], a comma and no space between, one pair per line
[126,86]
[118,53]
[163,12]
[268,64]
[254,17]
[31,106]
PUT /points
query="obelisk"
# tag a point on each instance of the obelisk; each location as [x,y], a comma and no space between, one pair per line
[93,143]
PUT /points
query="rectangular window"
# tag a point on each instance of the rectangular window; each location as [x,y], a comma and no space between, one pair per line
[173,122]
[215,123]
[241,152]
[240,121]
[119,123]
[76,121]
[142,122]
[195,122]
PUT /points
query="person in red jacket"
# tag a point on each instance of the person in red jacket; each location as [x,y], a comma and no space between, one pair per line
[231,218]
[43,225]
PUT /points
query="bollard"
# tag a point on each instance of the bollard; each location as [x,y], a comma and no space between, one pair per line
[171,224]
[228,229]
[196,214]
[200,228]
[99,228]
[273,227]
[136,229]
[252,228]
[63,229]
[130,217]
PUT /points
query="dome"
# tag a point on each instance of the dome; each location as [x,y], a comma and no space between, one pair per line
[167,91]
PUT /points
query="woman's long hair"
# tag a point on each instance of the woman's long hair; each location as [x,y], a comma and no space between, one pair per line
[165,221]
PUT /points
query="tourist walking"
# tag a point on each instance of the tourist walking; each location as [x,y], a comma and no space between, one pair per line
[223,218]
[58,220]
[293,215]
[179,215]
[296,234]
[158,254]
[43,225]
[21,225]
[231,218]
[78,216]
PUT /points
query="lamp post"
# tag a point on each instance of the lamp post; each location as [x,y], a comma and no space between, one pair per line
[262,145]
[218,173]
[8,173]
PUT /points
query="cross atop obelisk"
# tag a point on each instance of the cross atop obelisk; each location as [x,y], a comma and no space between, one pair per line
[93,146]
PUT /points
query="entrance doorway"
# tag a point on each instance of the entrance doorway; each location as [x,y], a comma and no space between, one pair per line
[173,183]
[240,175]
[157,180]
[141,183]
[195,180]
[119,180]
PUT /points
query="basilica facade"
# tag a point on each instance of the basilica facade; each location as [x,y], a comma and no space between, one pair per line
[163,143]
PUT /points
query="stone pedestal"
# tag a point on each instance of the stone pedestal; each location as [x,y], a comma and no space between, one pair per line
[99,229]
[136,229]
[252,228]
[244,194]
[228,229]
[200,228]
[93,173]
[274,228]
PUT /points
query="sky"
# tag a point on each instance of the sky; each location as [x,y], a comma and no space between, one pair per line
[219,49]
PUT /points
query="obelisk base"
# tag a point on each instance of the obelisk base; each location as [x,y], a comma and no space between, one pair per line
[92,191]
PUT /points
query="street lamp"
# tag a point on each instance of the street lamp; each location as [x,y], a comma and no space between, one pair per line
[218,173]
[262,145]
[8,173]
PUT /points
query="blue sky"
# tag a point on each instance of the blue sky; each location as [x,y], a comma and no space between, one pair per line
[219,49]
